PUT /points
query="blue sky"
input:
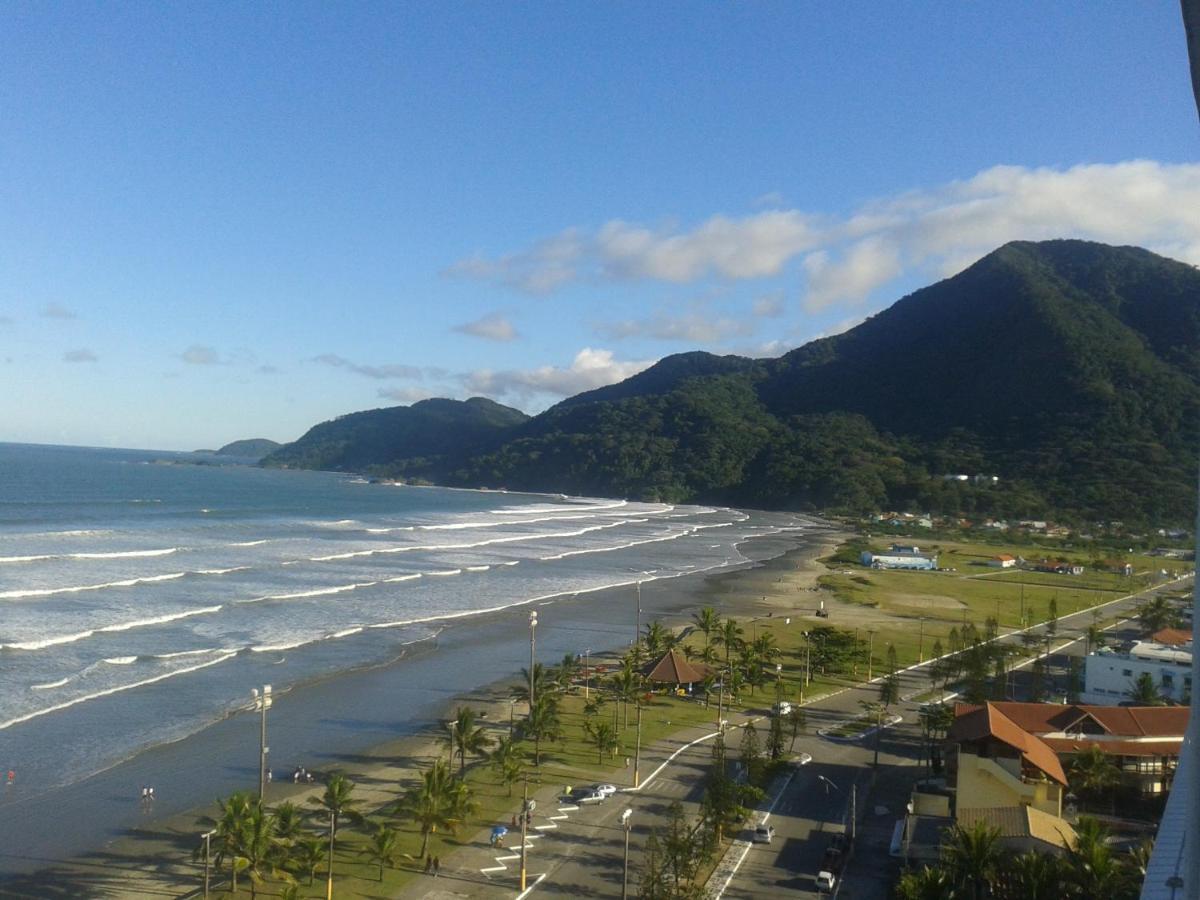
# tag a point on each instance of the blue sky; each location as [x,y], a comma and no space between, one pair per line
[221,221]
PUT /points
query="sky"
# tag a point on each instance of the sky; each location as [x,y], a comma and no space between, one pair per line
[222,221]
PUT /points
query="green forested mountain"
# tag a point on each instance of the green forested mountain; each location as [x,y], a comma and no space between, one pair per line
[1069,369]
[251,448]
[423,438]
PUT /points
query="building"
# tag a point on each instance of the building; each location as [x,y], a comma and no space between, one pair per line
[1144,741]
[1003,561]
[1058,567]
[899,557]
[1109,674]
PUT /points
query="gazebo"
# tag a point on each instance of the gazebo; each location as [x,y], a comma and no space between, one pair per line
[673,668]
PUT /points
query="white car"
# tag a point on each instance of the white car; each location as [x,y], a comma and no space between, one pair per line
[586,795]
[606,789]
[763,834]
[826,881]
[802,759]
[782,708]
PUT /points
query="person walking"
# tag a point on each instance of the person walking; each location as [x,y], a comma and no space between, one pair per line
[437,866]
[428,864]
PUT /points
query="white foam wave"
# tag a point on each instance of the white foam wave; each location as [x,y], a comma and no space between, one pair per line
[454,526]
[589,550]
[113,690]
[346,632]
[123,554]
[120,660]
[411,577]
[221,571]
[50,685]
[50,592]
[541,508]
[180,653]
[121,626]
[446,572]
[271,648]
[477,568]
[20,559]
[319,592]
[251,543]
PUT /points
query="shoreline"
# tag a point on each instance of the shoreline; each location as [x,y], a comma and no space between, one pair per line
[152,858]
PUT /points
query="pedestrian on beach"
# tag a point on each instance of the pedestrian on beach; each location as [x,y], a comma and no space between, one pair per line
[428,864]
[513,823]
[437,866]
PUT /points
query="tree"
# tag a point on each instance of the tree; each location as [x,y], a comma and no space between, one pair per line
[1144,692]
[383,846]
[566,672]
[775,737]
[874,711]
[655,638]
[708,621]
[625,683]
[935,719]
[926,884]
[306,854]
[751,751]
[796,719]
[287,823]
[972,856]
[463,736]
[439,801]
[604,736]
[1074,679]
[542,723]
[1093,869]
[508,760]
[1093,775]
[1052,619]
[1157,613]
[230,828]
[542,682]
[1037,681]
[889,690]
[1033,876]
[729,636]
[652,882]
[260,849]
[339,801]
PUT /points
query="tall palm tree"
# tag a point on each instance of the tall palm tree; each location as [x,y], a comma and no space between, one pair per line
[927,884]
[566,671]
[729,636]
[340,803]
[508,759]
[1144,692]
[972,856]
[708,621]
[464,736]
[655,638]
[1093,774]
[260,848]
[604,736]
[439,801]
[287,823]
[1157,613]
[1034,876]
[1093,869]
[383,846]
[542,723]
[230,828]
[625,684]
[542,682]
[306,854]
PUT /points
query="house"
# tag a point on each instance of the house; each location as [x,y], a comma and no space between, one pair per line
[1144,741]
[1003,561]
[1118,566]
[1058,567]
[1172,637]
[1109,675]
[899,557]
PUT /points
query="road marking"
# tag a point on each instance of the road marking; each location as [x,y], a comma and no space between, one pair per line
[509,857]
[536,882]
[567,808]
[494,869]
[557,818]
[544,827]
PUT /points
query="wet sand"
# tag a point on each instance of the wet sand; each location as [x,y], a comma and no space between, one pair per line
[95,838]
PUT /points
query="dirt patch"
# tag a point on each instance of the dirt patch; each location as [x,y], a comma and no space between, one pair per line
[925,601]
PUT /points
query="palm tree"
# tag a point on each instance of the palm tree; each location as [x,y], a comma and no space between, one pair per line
[384,844]
[230,828]
[542,723]
[1034,876]
[338,801]
[1144,692]
[927,884]
[1157,613]
[439,801]
[604,736]
[1093,869]
[796,719]
[508,759]
[306,854]
[1093,774]
[625,684]
[567,669]
[260,849]
[729,636]
[655,638]
[463,736]
[708,621]
[287,823]
[541,683]
[972,856]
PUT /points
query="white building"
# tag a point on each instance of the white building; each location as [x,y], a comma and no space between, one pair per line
[1109,674]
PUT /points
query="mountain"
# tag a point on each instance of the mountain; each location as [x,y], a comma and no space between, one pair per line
[1069,369]
[251,448]
[400,439]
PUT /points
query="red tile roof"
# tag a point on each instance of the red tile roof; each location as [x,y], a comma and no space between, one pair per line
[972,723]
[1124,721]
[673,668]
[1172,637]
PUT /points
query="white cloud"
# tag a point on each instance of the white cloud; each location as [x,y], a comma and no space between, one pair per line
[492,327]
[773,199]
[769,306]
[407,394]
[693,328]
[199,355]
[928,232]
[590,369]
[394,370]
[57,311]
[78,356]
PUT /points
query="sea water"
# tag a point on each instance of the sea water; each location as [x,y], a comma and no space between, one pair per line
[164,587]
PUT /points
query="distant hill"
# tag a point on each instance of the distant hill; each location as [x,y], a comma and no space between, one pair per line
[416,440]
[251,448]
[1069,369]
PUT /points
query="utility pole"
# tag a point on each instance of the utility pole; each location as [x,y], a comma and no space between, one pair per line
[637,748]
[637,625]
[853,811]
[921,640]
[329,879]
[586,658]
[807,658]
[870,653]
[207,859]
[524,817]
[625,816]
[262,702]
[532,654]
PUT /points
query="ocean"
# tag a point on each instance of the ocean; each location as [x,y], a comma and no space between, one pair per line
[142,594]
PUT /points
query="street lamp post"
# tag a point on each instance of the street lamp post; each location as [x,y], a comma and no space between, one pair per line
[625,817]
[524,818]
[921,641]
[870,653]
[532,654]
[586,671]
[637,748]
[262,702]
[207,858]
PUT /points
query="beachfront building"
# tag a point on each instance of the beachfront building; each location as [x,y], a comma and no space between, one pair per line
[900,556]
[1109,674]
[1003,561]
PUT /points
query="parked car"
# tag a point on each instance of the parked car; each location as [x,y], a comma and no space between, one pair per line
[782,708]
[826,881]
[606,789]
[586,795]
[763,834]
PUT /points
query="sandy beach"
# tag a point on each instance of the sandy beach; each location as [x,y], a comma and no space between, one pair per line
[378,726]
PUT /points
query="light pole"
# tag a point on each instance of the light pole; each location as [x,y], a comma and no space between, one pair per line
[587,652]
[329,879]
[870,653]
[532,653]
[807,658]
[637,624]
[262,702]
[207,857]
[625,816]
[921,639]
[524,818]
[637,747]
[511,707]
